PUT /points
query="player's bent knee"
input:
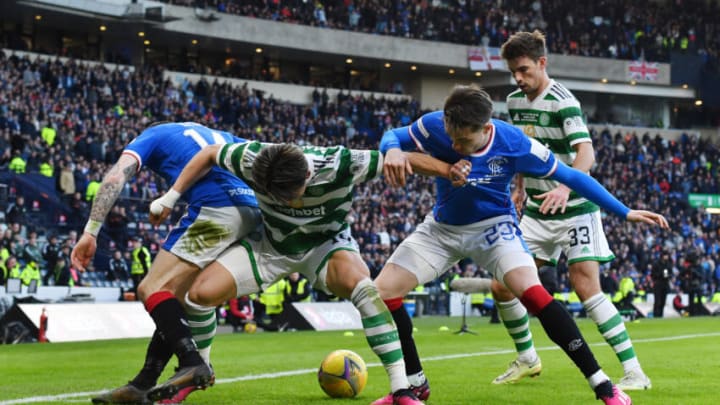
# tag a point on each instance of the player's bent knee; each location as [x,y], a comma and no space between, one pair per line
[535,299]
[205,297]
[395,281]
[342,286]
[343,276]
[500,292]
[194,296]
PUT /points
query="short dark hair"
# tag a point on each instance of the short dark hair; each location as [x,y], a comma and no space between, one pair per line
[467,107]
[529,44]
[280,171]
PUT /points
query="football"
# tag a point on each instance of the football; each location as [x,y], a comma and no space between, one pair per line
[342,374]
[250,327]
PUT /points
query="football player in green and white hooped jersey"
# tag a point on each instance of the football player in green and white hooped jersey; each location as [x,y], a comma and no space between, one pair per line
[304,195]
[307,222]
[557,220]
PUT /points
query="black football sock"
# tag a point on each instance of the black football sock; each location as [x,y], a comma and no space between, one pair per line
[157,356]
[562,330]
[405,328]
[170,320]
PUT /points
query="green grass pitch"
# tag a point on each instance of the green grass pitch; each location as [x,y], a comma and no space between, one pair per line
[681,356]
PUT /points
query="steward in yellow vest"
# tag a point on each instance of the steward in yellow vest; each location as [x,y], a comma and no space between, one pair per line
[140,263]
[274,297]
[92,190]
[30,272]
[46,169]
[296,289]
[17,165]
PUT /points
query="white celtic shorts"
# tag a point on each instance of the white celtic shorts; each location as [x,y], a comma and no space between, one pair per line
[256,265]
[581,238]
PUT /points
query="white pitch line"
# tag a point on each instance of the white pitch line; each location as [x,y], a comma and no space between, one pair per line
[252,377]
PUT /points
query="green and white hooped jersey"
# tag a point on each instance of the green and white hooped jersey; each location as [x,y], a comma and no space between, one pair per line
[554,119]
[321,212]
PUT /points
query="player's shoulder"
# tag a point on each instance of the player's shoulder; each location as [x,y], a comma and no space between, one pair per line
[433,116]
[505,129]
[166,128]
[559,93]
[430,124]
[515,95]
[508,136]
[167,133]
[146,139]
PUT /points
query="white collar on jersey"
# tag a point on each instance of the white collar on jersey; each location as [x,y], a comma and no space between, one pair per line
[482,151]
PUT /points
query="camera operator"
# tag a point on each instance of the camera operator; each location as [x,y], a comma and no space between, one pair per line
[661,272]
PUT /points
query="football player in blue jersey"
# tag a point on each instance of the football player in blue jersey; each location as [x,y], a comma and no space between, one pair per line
[474,216]
[221,210]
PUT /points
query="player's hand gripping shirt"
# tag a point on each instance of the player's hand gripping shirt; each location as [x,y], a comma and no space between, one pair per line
[554,119]
[320,213]
[167,148]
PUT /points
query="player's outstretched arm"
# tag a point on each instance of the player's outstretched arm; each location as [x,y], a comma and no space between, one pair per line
[196,168]
[589,188]
[107,195]
[648,217]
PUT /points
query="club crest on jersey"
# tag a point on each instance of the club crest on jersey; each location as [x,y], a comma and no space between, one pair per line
[544,119]
[496,164]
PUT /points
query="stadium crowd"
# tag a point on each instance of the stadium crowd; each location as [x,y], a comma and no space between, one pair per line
[608,28]
[69,121]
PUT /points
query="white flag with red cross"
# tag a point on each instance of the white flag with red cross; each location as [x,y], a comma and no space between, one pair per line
[642,70]
[485,58]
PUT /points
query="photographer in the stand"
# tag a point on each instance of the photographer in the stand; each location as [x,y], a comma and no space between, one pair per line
[692,281]
[661,273]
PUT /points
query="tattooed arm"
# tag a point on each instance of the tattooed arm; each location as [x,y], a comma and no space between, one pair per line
[111,186]
[110,189]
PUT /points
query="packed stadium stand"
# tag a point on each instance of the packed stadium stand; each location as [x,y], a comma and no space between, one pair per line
[610,29]
[64,121]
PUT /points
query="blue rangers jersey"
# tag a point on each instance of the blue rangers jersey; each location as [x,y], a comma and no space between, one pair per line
[167,148]
[487,191]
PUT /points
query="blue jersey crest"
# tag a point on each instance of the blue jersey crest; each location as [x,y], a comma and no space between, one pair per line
[487,192]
